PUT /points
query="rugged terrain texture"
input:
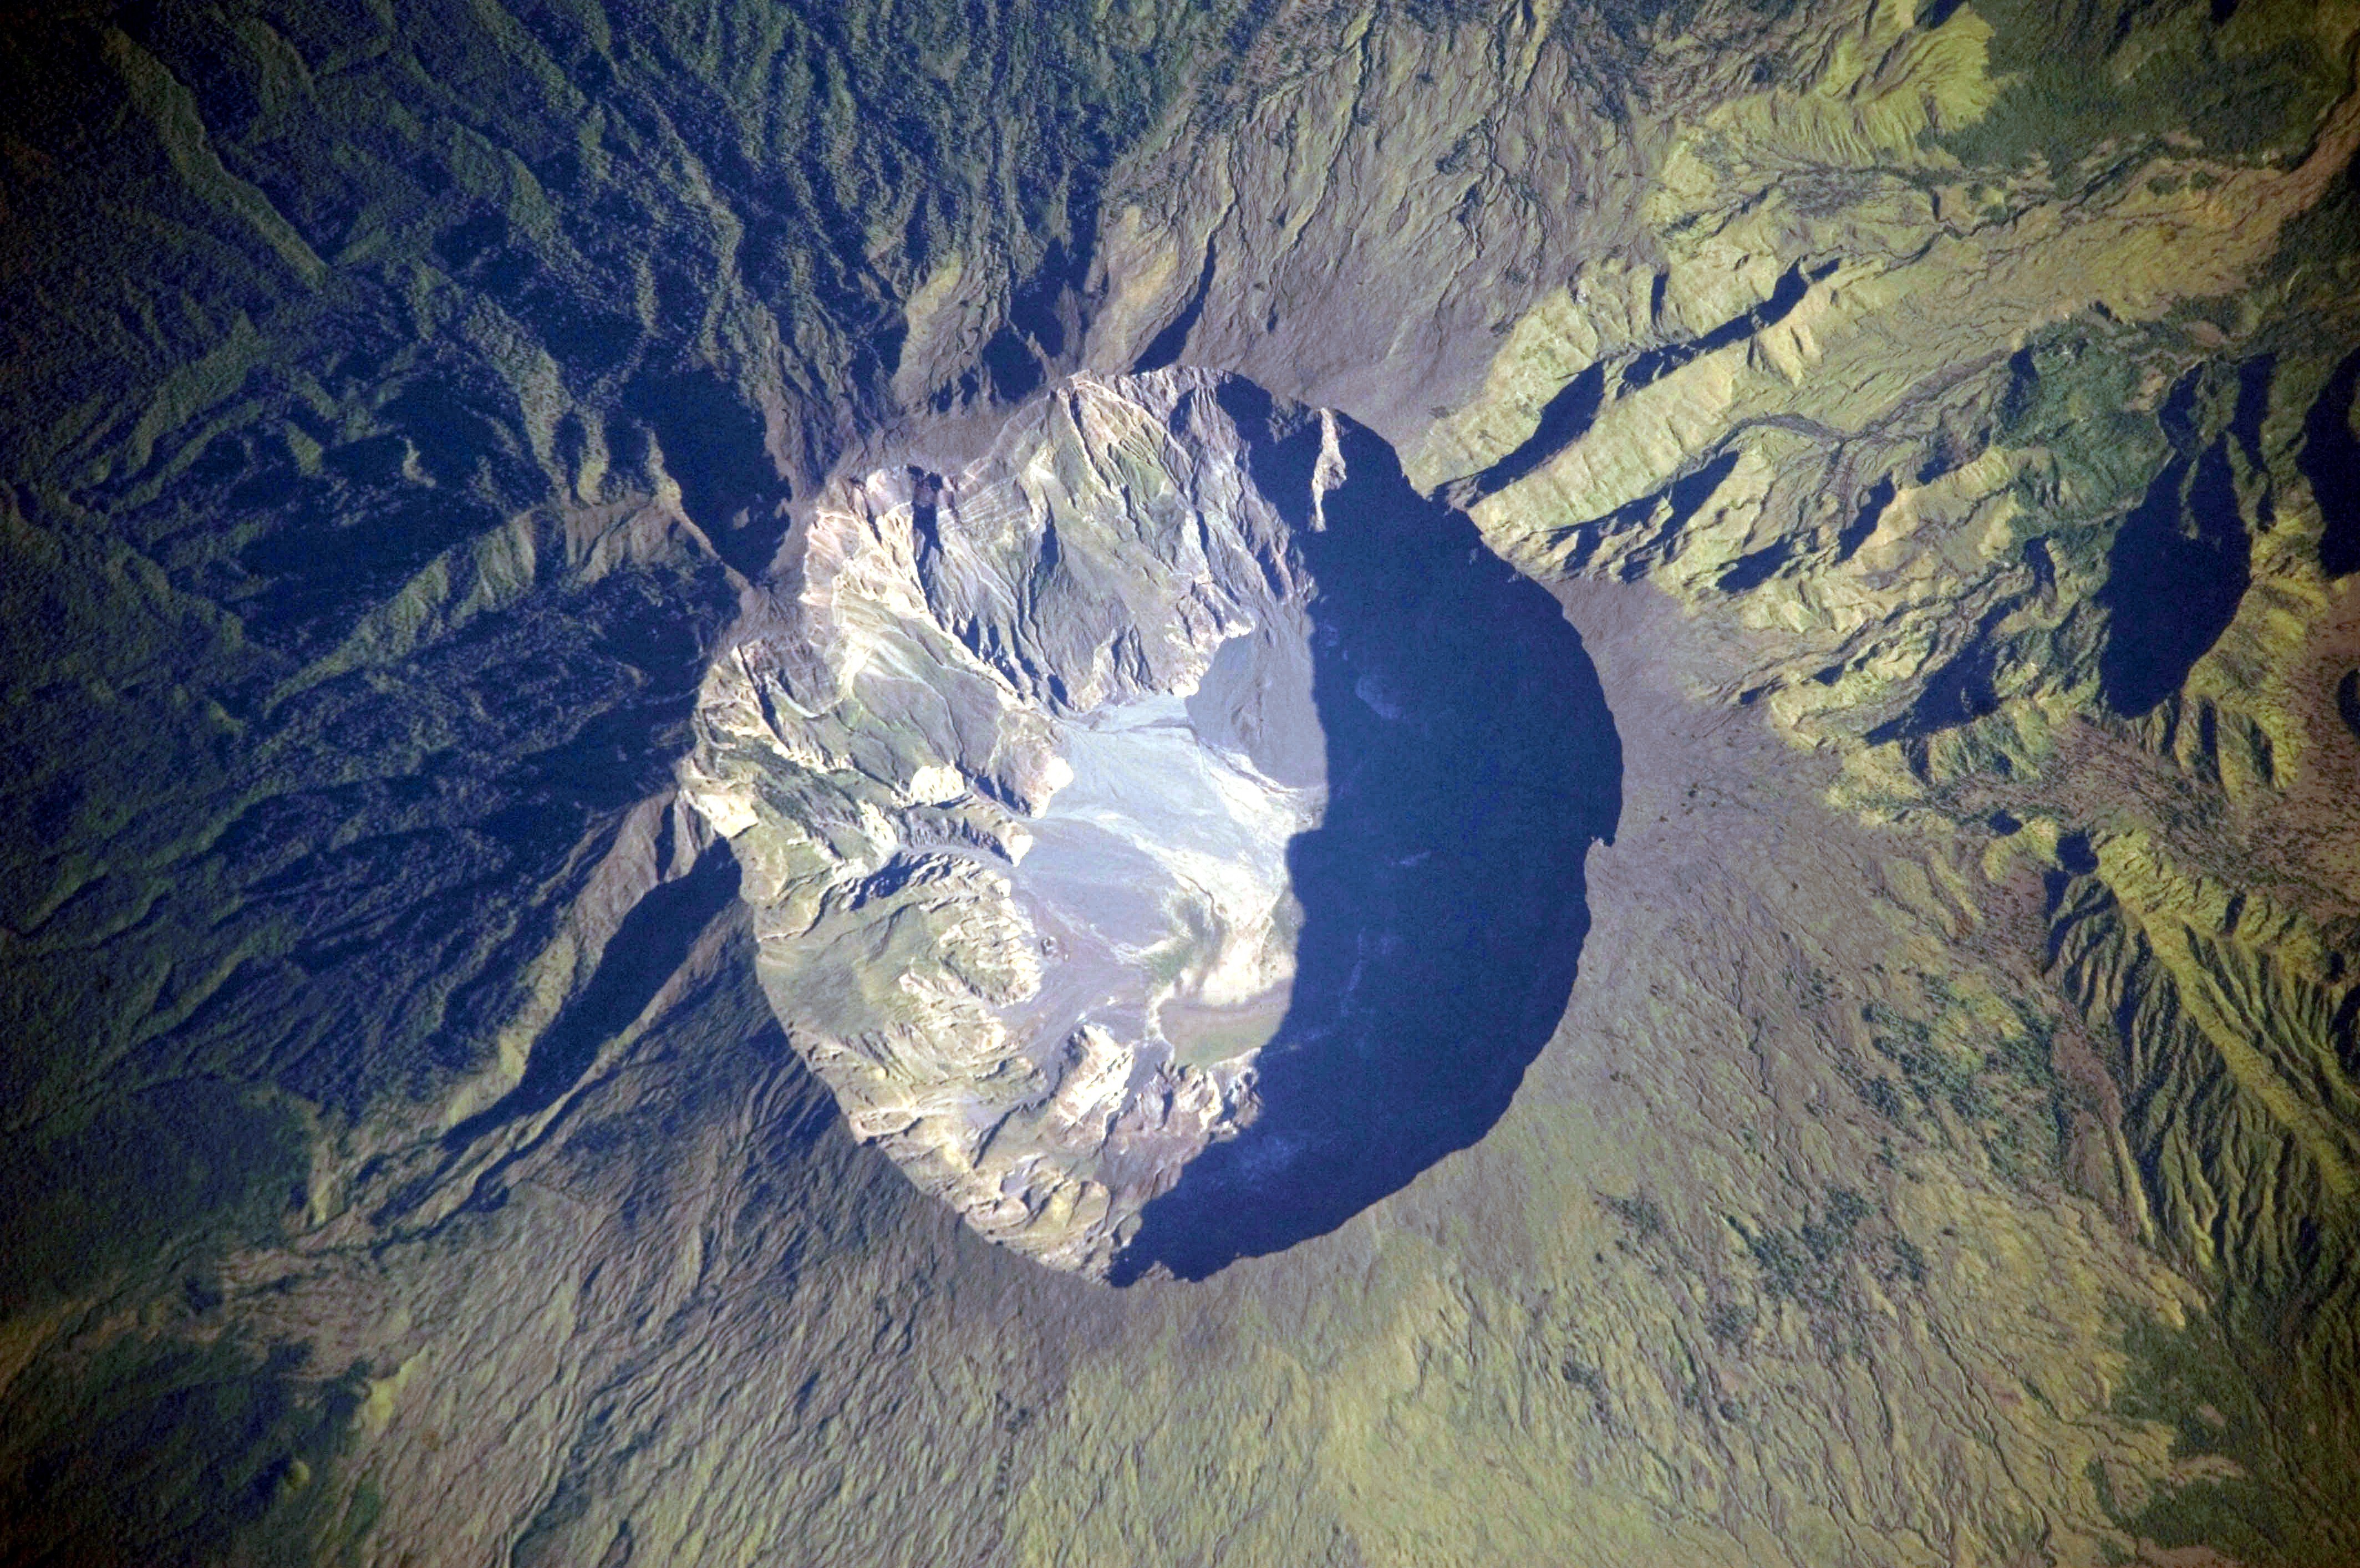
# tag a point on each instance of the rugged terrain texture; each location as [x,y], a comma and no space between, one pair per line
[1938,423]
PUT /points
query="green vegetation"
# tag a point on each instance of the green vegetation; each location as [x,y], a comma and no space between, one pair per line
[1997,1086]
[1814,1264]
[1638,1213]
[2071,392]
[2250,83]
[165,1451]
[1805,1264]
[1730,1324]
[367,284]
[175,1166]
[307,732]
[346,338]
[2283,1479]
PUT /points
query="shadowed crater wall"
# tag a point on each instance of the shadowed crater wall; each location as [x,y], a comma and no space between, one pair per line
[1471,762]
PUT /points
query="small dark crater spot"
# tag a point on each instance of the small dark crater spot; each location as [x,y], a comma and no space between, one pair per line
[1589,1379]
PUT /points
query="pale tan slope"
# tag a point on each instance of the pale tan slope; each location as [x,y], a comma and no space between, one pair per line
[1694,1300]
[1844,502]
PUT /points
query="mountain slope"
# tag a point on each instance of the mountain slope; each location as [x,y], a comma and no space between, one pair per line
[1938,425]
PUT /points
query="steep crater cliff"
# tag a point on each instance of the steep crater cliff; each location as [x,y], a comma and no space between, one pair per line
[1166,832]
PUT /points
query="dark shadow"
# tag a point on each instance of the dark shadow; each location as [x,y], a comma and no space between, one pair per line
[1164,351]
[2253,406]
[714,449]
[1787,293]
[1677,502]
[1048,310]
[2330,460]
[170,1449]
[646,950]
[1862,526]
[1011,366]
[2177,571]
[1964,689]
[1564,420]
[2344,1031]
[1471,762]
[1750,571]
